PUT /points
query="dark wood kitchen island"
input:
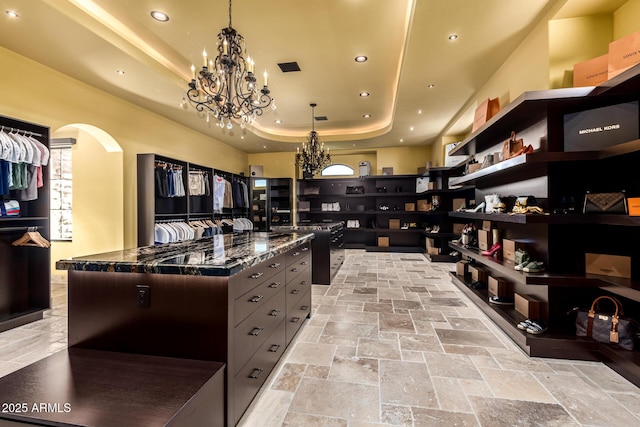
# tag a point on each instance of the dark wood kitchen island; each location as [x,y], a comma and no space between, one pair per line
[236,299]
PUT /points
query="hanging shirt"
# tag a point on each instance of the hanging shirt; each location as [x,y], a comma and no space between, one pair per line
[219,189]
[228,195]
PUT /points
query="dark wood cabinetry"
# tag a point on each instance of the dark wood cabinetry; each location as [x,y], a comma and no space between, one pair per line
[153,207]
[271,202]
[25,278]
[245,320]
[559,181]
[383,207]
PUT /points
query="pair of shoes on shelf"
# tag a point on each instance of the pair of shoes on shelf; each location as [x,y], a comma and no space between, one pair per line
[478,285]
[435,229]
[530,267]
[478,208]
[501,300]
[533,326]
[454,253]
[526,149]
[496,251]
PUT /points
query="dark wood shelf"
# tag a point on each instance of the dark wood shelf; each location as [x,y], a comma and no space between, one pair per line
[385,230]
[440,235]
[527,108]
[548,344]
[622,84]
[441,258]
[601,219]
[506,269]
[531,161]
[23,218]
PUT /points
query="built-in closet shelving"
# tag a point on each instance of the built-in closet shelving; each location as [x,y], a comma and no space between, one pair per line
[560,240]
[383,201]
[25,281]
[152,208]
[271,202]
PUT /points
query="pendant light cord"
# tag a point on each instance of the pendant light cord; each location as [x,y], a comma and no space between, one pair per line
[230,14]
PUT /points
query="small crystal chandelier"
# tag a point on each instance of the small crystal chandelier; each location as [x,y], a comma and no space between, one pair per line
[312,158]
[226,87]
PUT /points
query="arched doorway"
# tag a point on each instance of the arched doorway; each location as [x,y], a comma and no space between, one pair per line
[97,194]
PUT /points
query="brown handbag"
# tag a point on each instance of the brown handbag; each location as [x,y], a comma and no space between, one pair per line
[511,146]
[607,328]
[605,203]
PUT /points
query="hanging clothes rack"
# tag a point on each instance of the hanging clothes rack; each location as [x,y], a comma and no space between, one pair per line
[24,132]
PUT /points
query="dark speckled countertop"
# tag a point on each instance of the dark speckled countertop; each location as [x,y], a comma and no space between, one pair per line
[315,226]
[221,255]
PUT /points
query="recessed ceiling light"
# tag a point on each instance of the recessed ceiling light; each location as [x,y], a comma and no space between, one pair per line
[120,72]
[419,111]
[411,128]
[264,146]
[278,121]
[159,16]
[361,58]
[12,14]
[431,86]
[364,94]
[401,140]
[366,116]
[453,37]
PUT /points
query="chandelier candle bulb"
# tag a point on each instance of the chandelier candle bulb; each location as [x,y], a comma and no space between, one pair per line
[265,78]
[225,47]
[193,72]
[204,58]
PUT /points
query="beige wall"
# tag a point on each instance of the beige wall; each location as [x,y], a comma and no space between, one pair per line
[575,40]
[97,204]
[32,92]
[625,19]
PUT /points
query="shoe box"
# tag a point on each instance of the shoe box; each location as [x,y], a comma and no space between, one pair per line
[608,265]
[510,246]
[500,287]
[527,305]
[462,268]
[383,241]
[478,274]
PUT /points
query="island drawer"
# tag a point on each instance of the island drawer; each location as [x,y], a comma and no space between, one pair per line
[254,330]
[298,252]
[251,377]
[248,279]
[297,312]
[246,304]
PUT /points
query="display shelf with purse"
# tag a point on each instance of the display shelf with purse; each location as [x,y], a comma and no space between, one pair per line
[607,326]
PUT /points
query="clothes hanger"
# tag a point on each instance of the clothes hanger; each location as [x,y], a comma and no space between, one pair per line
[32,238]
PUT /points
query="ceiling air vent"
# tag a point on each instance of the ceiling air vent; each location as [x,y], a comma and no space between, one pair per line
[321,118]
[288,67]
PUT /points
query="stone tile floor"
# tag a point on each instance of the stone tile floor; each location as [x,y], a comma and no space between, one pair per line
[392,342]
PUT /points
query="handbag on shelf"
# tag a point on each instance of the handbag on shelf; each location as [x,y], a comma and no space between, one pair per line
[422,184]
[605,203]
[511,146]
[607,328]
[356,189]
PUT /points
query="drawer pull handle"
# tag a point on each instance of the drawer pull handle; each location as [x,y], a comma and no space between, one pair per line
[304,282]
[256,331]
[294,270]
[275,265]
[304,263]
[256,298]
[255,373]
[295,320]
[295,291]
[274,285]
[274,313]
[295,254]
[304,307]
[256,275]
[274,348]
[305,249]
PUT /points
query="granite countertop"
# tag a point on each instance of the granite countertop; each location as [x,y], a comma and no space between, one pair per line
[315,226]
[221,255]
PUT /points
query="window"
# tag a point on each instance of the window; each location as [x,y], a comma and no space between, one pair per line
[338,169]
[61,194]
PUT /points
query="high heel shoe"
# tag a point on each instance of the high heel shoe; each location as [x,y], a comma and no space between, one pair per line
[494,251]
[479,208]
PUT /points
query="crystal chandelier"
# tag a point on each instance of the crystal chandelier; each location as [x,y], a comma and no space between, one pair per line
[226,87]
[312,158]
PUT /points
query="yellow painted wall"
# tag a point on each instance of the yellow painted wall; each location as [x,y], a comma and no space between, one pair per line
[403,160]
[97,204]
[626,19]
[276,165]
[32,92]
[575,40]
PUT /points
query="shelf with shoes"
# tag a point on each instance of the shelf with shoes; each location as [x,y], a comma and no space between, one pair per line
[559,176]
[379,200]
